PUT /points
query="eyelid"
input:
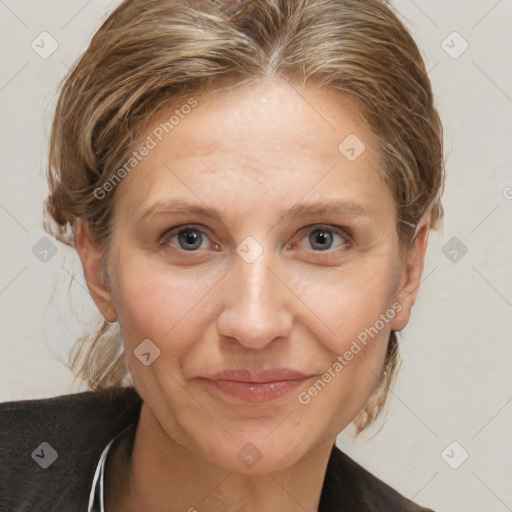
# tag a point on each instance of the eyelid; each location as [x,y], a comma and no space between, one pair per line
[340,230]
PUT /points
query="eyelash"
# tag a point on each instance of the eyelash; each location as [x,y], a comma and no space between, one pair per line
[342,232]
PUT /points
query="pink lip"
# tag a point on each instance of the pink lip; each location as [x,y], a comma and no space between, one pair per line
[255,386]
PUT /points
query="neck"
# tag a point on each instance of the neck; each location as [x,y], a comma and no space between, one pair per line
[177,479]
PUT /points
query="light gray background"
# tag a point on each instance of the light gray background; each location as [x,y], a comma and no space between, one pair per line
[455,383]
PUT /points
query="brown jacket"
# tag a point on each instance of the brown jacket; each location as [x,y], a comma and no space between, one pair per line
[77,427]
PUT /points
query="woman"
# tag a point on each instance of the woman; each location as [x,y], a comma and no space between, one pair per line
[250,190]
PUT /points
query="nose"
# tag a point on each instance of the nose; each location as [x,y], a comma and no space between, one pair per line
[257,304]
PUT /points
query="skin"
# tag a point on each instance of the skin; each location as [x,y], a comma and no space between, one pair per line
[252,154]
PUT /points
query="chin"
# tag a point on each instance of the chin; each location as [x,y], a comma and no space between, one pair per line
[255,455]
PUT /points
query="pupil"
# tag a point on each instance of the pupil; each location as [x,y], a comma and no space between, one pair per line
[322,237]
[190,238]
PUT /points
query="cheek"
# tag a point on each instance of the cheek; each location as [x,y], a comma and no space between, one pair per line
[357,354]
[351,304]
[355,308]
[154,303]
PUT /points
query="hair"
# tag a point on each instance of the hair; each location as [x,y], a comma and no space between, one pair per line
[150,54]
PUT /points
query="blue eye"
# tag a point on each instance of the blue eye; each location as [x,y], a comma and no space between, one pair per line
[189,238]
[322,237]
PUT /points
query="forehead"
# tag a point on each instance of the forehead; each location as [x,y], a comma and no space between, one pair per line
[279,114]
[253,146]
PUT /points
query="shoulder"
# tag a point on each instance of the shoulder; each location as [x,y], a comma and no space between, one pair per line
[50,446]
[348,486]
[105,403]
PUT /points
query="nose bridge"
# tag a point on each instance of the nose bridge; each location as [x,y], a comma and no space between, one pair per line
[257,305]
[257,283]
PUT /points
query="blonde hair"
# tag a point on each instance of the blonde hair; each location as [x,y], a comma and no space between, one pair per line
[150,54]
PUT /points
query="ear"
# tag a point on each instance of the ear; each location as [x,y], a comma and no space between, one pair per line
[410,277]
[90,256]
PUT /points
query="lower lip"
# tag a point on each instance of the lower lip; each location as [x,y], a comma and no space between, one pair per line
[255,391]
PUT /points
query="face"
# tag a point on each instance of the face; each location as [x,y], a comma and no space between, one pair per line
[262,264]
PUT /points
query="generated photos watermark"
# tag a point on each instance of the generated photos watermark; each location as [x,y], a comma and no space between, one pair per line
[149,143]
[304,397]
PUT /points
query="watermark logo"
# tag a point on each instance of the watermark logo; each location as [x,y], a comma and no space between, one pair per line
[249,250]
[45,455]
[454,249]
[249,455]
[44,250]
[44,45]
[454,455]
[230,7]
[146,352]
[454,45]
[351,147]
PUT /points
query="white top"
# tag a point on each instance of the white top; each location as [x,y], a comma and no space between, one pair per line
[96,496]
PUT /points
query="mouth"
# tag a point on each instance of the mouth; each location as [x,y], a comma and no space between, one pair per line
[255,386]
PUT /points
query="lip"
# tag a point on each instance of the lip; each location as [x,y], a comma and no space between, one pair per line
[250,386]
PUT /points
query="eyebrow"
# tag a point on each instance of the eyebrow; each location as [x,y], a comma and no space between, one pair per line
[300,211]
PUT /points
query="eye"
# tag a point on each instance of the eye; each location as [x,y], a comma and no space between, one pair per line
[323,238]
[192,238]
[188,238]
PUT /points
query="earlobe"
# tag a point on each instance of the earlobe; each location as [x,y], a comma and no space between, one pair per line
[410,278]
[94,271]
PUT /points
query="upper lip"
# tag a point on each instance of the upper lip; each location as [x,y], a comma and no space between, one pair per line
[245,375]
